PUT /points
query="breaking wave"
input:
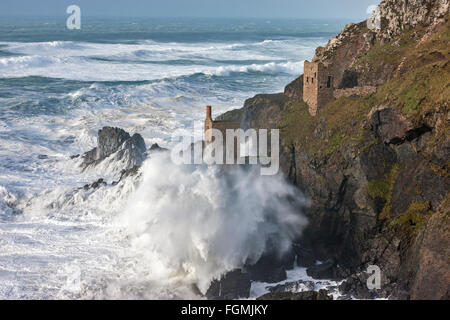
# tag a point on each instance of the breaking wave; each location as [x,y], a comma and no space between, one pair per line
[197,223]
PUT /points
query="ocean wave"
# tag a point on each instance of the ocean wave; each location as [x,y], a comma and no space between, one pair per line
[272,67]
[77,68]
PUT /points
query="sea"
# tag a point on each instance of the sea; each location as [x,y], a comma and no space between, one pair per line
[175,228]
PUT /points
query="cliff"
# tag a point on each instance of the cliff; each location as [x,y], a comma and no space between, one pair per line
[375,168]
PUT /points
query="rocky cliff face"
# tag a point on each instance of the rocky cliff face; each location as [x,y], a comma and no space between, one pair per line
[375,168]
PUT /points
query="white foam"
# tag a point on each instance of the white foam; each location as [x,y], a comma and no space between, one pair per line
[122,62]
[74,243]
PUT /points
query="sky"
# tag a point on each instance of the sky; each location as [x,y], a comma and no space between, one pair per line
[314,9]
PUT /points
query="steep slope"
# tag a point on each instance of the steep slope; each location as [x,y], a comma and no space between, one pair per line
[376,167]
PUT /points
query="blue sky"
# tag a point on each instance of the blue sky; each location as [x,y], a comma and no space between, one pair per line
[340,9]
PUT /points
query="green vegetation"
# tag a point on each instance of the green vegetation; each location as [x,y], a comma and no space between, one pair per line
[343,119]
[414,218]
[379,188]
[424,81]
[439,171]
[418,90]
[421,86]
[383,189]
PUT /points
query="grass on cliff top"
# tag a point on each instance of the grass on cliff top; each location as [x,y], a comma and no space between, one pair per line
[342,118]
[418,90]
[405,49]
[423,85]
[424,78]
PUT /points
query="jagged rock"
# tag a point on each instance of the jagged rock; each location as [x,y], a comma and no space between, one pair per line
[233,285]
[307,295]
[130,149]
[400,15]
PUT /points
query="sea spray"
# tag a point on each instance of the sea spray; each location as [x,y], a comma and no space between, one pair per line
[200,222]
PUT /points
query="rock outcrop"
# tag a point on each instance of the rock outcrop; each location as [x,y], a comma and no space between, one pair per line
[400,15]
[233,285]
[116,142]
[375,167]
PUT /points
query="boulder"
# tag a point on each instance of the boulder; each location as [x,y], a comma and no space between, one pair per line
[232,285]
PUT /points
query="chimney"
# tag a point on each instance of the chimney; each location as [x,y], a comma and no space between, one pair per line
[208,112]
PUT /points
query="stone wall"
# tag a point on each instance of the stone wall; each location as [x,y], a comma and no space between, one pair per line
[317,85]
[355,91]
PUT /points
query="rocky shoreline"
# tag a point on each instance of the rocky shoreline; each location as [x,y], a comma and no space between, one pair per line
[373,163]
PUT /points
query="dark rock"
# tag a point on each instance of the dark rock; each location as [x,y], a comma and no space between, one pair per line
[75,156]
[356,286]
[233,285]
[95,185]
[394,171]
[327,270]
[377,161]
[156,148]
[432,280]
[392,127]
[271,267]
[266,271]
[307,295]
[305,257]
[116,141]
[349,79]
